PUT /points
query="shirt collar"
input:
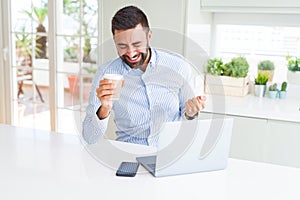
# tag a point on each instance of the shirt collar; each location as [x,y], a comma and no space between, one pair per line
[152,61]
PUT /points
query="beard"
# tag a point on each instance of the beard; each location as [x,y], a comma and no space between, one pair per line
[139,63]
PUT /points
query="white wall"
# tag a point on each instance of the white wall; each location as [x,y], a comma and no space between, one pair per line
[257,6]
[257,19]
[198,33]
[195,16]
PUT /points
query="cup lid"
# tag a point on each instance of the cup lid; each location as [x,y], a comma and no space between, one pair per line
[113,76]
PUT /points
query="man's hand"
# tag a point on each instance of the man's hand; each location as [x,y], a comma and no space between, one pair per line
[104,94]
[194,105]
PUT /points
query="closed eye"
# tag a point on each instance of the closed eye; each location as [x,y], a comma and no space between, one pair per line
[137,44]
[122,46]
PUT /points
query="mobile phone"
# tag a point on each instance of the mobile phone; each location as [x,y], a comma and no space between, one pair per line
[127,169]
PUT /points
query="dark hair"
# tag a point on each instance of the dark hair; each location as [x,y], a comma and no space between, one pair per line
[127,18]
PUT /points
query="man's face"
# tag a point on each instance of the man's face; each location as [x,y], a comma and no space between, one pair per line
[133,45]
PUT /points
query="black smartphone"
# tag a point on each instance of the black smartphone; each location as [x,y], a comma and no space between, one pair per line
[127,169]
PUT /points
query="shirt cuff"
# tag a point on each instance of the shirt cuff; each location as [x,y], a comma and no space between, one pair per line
[101,123]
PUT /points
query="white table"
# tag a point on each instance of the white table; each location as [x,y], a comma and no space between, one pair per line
[42,165]
[255,107]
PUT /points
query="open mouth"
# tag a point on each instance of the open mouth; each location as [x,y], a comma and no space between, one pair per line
[134,60]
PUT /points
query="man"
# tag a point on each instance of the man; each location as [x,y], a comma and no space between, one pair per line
[155,87]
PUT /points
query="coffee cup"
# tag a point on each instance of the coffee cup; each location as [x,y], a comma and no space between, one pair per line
[117,80]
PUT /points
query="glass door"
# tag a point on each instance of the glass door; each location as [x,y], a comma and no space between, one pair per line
[77,41]
[53,53]
[30,63]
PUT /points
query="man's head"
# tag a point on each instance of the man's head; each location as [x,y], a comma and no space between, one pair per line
[128,18]
[132,36]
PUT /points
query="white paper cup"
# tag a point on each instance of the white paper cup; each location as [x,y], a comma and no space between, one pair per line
[117,79]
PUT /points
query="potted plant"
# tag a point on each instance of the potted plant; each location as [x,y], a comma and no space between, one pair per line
[273,91]
[227,79]
[87,29]
[282,92]
[237,67]
[260,84]
[215,66]
[293,73]
[87,77]
[73,84]
[24,48]
[39,14]
[266,66]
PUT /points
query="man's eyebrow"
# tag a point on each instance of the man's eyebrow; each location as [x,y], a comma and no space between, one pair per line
[138,42]
[121,44]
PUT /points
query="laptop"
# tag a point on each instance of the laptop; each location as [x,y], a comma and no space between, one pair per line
[192,146]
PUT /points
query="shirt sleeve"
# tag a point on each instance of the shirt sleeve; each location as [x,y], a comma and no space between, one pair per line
[187,90]
[93,128]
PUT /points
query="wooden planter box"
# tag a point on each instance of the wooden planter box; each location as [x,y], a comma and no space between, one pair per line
[225,85]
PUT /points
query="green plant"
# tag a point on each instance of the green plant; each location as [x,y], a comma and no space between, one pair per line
[273,87]
[293,63]
[266,65]
[215,67]
[24,47]
[283,86]
[87,12]
[237,67]
[262,79]
[90,70]
[38,14]
[71,51]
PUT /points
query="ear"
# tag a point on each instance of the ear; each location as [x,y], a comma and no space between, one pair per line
[149,36]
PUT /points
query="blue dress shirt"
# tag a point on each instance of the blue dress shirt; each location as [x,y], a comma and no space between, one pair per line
[147,100]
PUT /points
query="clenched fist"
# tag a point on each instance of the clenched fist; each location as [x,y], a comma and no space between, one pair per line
[194,105]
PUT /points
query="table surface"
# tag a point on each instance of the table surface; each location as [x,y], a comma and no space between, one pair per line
[250,106]
[287,109]
[43,165]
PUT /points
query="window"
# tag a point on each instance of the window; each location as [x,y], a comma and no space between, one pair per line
[77,41]
[258,43]
[30,64]
[52,47]
[256,36]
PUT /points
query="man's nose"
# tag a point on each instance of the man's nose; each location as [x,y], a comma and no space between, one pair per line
[131,52]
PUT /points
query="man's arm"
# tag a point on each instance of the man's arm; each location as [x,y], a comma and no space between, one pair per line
[93,128]
[95,122]
[190,104]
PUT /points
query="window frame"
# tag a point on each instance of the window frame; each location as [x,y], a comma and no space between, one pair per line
[255,19]
[9,108]
[6,106]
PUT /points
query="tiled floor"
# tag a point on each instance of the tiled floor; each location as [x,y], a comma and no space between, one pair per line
[28,98]
[35,114]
